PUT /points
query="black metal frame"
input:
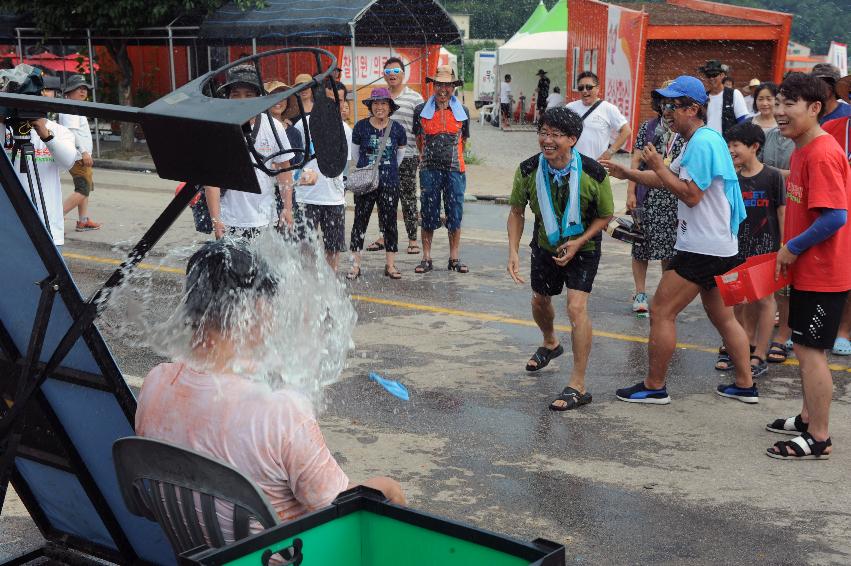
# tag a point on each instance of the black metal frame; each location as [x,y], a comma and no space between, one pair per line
[539,552]
[27,372]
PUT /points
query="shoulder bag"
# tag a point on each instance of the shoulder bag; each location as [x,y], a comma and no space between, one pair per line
[363,180]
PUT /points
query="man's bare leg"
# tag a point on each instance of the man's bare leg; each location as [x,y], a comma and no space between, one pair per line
[544,315]
[580,337]
[455,244]
[428,236]
[672,296]
[817,384]
[732,333]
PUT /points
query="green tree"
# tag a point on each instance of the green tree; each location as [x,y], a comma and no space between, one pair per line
[117,18]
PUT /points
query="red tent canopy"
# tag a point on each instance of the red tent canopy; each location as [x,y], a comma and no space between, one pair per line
[73,63]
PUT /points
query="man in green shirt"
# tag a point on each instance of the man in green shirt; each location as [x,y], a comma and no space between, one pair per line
[571,198]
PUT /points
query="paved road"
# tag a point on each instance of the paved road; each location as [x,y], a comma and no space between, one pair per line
[618,484]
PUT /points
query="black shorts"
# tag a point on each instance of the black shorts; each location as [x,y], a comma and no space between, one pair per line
[701,269]
[814,317]
[505,107]
[548,278]
[330,219]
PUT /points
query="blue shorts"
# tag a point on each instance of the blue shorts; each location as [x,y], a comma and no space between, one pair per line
[451,185]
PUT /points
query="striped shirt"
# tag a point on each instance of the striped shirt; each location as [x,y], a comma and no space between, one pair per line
[407,101]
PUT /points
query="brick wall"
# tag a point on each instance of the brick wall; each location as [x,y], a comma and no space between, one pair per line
[667,59]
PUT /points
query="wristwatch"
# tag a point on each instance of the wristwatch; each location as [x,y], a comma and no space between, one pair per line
[48,138]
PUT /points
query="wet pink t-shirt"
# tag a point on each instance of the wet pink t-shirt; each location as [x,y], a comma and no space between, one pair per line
[270,436]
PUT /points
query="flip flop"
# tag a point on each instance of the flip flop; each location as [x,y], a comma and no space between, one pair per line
[413,249]
[375,247]
[543,356]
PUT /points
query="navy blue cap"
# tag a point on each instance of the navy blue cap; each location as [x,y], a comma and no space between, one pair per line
[685,85]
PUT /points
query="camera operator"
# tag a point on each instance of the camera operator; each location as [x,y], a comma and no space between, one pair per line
[54,151]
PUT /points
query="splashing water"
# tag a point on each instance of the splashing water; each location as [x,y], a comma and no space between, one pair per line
[291,327]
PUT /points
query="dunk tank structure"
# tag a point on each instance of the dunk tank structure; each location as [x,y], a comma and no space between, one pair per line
[65,402]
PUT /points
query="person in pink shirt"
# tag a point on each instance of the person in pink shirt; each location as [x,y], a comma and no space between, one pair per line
[210,406]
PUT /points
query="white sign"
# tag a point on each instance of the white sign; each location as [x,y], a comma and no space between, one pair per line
[485,84]
[369,65]
[619,87]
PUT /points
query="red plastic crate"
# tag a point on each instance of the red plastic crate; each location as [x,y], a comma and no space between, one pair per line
[750,281]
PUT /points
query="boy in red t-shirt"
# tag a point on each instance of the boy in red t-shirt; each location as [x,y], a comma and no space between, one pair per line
[818,195]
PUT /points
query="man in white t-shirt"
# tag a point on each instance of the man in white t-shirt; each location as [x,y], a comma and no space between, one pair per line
[55,151]
[704,180]
[506,99]
[322,205]
[726,105]
[600,124]
[240,213]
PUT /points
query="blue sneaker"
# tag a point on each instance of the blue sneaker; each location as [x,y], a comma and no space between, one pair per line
[743,394]
[638,393]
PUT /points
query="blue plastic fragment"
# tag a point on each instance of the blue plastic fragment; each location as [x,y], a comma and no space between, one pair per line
[393,387]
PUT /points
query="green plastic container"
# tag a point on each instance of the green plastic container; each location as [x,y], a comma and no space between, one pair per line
[360,529]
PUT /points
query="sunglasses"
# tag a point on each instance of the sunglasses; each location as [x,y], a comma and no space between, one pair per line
[670,106]
[711,75]
[589,88]
[393,71]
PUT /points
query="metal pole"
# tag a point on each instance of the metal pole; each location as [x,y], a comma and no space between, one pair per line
[94,88]
[254,46]
[209,60]
[461,72]
[189,63]
[354,71]
[20,46]
[171,58]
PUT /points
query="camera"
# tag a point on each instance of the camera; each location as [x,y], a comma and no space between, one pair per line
[23,79]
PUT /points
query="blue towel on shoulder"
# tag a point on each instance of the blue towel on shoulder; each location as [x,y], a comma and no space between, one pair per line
[706,157]
[454,104]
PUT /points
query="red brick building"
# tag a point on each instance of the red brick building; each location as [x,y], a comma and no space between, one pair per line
[645,44]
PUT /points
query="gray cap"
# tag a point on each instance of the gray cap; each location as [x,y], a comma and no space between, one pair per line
[826,71]
[244,75]
[74,82]
[51,82]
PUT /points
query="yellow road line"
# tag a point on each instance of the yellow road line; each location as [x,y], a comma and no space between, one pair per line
[471,315]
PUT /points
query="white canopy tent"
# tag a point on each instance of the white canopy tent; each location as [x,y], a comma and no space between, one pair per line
[543,47]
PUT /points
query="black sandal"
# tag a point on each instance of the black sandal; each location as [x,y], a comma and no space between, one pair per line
[425,266]
[724,361]
[572,398]
[793,425]
[760,368]
[375,247]
[543,356]
[456,265]
[803,447]
[395,274]
[777,353]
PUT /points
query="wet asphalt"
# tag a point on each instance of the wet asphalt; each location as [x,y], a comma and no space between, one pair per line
[617,484]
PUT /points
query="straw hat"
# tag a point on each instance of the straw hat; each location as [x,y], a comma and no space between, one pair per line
[272,87]
[752,85]
[842,87]
[444,74]
[303,78]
